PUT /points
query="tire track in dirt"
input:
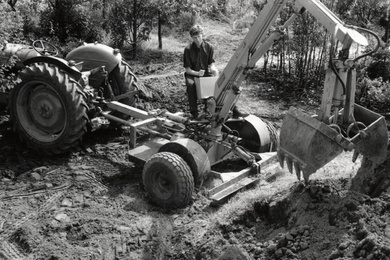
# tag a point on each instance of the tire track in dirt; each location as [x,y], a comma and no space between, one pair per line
[9,249]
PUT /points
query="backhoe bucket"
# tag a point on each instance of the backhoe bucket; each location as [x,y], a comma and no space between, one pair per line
[307,144]
[373,142]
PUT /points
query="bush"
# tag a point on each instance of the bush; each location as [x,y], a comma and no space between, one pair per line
[379,69]
[72,23]
[8,79]
[380,65]
[374,94]
[186,21]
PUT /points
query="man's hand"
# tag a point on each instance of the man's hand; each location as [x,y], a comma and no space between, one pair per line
[201,73]
[214,73]
[213,70]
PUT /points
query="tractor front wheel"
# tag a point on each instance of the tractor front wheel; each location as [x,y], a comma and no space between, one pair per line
[48,109]
[168,180]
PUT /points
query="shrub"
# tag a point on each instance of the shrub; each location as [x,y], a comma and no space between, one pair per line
[374,94]
[8,79]
[380,65]
[72,23]
[379,69]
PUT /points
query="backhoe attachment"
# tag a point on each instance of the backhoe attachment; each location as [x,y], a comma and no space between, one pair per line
[307,143]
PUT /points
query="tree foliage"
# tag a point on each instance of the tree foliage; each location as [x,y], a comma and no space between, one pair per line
[130,21]
[54,21]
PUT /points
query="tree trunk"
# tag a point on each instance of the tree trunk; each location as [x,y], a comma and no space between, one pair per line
[300,61]
[159,31]
[266,56]
[320,63]
[104,15]
[134,23]
[309,60]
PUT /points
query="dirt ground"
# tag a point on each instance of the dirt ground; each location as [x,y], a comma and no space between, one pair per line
[91,204]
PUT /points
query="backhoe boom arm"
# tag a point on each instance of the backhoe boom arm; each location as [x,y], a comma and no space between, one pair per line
[258,41]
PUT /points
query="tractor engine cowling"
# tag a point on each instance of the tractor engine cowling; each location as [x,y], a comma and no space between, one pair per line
[93,55]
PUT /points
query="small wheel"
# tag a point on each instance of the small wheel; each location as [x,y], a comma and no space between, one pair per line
[168,180]
[45,48]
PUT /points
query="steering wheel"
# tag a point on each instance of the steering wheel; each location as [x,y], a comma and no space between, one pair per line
[45,48]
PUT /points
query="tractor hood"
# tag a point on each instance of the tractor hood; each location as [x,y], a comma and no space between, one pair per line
[94,55]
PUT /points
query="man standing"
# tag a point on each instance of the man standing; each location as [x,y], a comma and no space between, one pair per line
[198,61]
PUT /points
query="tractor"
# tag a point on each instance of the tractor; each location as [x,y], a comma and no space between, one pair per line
[55,100]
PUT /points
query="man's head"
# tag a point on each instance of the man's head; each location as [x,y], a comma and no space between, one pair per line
[196,33]
[196,30]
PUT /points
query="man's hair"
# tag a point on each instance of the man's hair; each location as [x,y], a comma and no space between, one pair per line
[196,30]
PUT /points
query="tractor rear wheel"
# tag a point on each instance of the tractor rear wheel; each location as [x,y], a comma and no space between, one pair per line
[122,81]
[48,109]
[168,180]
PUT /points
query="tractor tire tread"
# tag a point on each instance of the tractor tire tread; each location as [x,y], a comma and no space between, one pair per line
[75,106]
[184,177]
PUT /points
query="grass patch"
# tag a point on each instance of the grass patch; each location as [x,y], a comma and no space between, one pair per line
[169,44]
[220,35]
[148,52]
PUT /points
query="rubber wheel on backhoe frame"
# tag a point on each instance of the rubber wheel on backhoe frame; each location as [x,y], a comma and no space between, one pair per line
[48,109]
[168,180]
[123,81]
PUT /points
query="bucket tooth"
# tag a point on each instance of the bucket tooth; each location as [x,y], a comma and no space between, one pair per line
[355,156]
[306,175]
[297,169]
[289,163]
[281,158]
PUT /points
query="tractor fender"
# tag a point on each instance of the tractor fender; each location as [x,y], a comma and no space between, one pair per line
[58,62]
[193,154]
[93,55]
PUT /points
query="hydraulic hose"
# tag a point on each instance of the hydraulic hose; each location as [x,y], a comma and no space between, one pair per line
[372,33]
[357,58]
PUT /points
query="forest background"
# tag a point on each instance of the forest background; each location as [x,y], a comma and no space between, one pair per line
[296,63]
